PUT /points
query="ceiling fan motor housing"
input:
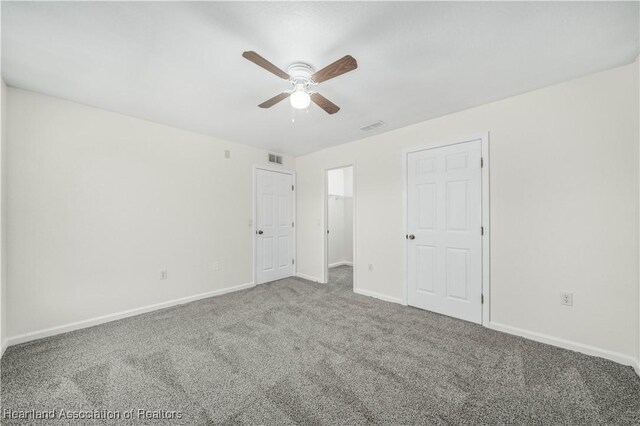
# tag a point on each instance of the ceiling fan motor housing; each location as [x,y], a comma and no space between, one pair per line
[300,73]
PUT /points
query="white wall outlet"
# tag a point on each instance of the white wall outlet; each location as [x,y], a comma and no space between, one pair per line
[227,153]
[371,267]
[566,299]
[163,275]
[216,266]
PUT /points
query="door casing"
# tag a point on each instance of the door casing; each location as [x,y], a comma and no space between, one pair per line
[486,246]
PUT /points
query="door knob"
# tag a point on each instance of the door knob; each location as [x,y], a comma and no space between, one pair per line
[260,232]
[412,237]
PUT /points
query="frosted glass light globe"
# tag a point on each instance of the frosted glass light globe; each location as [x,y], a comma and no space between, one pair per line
[300,99]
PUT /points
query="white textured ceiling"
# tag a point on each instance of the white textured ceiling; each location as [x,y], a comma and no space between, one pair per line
[180,63]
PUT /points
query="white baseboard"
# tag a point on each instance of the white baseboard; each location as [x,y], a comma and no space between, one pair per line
[341,263]
[378,295]
[34,335]
[637,367]
[3,347]
[307,277]
[568,344]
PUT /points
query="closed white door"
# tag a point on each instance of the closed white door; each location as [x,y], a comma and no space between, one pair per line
[444,195]
[274,225]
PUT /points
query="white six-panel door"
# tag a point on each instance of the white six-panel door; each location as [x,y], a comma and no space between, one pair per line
[274,225]
[444,244]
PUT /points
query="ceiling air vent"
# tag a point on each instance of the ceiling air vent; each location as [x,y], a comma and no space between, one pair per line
[373,126]
[276,159]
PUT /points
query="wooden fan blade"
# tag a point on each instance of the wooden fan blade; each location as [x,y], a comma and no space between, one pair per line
[277,98]
[339,67]
[324,103]
[262,62]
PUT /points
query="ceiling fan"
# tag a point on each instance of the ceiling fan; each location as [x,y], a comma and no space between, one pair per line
[303,77]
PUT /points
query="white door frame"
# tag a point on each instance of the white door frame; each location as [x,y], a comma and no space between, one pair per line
[254,207]
[325,278]
[486,246]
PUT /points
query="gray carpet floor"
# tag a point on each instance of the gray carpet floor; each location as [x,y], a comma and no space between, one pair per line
[297,352]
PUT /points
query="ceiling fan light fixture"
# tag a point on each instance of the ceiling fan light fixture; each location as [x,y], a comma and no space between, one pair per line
[300,99]
[302,76]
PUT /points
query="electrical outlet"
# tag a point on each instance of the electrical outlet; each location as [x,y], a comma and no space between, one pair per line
[371,267]
[163,275]
[227,153]
[216,266]
[566,299]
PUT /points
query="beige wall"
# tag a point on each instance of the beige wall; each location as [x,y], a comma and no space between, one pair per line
[564,209]
[100,203]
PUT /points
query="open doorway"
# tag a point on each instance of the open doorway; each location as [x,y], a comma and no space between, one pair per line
[340,232]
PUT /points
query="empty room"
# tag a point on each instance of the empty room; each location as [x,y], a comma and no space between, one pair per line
[320,213]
